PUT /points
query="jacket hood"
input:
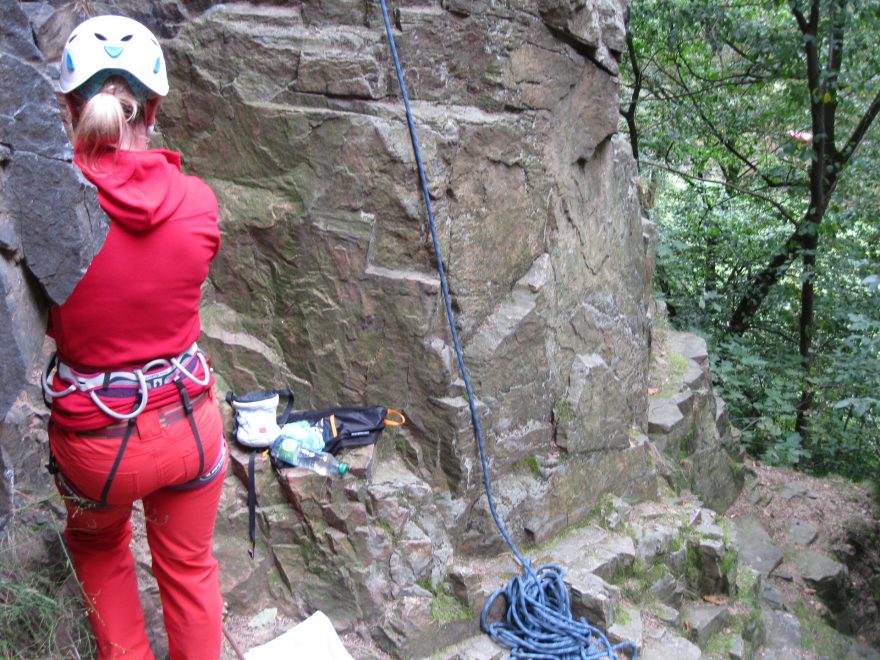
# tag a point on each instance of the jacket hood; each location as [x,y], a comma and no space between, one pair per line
[137,189]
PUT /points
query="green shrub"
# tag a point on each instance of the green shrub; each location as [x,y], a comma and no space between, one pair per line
[41,614]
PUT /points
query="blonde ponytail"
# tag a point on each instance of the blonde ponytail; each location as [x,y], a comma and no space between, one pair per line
[107,120]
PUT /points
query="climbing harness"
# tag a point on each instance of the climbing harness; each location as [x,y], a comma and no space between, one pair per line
[101,387]
[539,623]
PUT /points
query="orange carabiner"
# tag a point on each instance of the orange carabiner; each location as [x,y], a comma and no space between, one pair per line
[394,422]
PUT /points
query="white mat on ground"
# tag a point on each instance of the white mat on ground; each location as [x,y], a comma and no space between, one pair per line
[314,638]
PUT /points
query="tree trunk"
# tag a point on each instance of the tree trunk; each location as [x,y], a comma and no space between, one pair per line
[630,114]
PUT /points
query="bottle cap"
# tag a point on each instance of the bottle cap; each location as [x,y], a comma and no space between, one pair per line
[342,469]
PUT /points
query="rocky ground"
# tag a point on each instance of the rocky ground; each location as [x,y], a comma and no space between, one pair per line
[780,610]
[831,516]
[791,569]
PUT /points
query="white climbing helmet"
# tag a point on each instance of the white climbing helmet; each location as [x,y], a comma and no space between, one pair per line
[118,46]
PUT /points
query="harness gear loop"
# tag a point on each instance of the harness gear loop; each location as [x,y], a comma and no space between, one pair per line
[48,392]
[140,381]
[207,371]
[125,417]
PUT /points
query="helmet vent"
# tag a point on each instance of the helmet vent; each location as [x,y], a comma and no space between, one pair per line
[100,37]
[158,65]
[127,37]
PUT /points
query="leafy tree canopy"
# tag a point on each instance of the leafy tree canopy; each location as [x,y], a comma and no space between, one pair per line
[754,123]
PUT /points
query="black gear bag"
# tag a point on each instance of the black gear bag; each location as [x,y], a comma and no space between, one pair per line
[348,427]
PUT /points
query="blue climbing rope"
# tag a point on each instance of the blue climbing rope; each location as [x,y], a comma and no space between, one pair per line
[539,624]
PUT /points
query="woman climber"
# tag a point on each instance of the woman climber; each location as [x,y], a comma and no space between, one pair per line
[134,416]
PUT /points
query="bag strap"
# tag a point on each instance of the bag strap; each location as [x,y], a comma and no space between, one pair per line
[252,485]
[286,392]
[252,504]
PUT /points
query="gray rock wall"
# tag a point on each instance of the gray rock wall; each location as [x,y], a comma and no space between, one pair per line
[46,228]
[50,228]
[326,280]
[293,115]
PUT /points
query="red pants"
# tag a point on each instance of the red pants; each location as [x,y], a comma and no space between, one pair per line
[160,457]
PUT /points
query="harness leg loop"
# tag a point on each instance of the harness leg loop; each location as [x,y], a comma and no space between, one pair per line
[129,428]
[186,404]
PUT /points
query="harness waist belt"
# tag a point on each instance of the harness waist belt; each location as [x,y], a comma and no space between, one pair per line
[115,384]
[156,373]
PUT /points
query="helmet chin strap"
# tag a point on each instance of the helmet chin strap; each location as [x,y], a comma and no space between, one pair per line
[150,129]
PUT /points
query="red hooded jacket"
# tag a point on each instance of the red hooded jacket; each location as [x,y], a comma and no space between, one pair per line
[139,298]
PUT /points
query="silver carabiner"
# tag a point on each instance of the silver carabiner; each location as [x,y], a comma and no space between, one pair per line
[142,383]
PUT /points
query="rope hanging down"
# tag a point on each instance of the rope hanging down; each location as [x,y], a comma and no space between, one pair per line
[539,624]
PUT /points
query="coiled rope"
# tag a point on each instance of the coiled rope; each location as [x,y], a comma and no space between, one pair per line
[539,624]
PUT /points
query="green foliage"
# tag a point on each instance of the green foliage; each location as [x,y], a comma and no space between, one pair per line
[445,607]
[39,616]
[719,645]
[635,581]
[602,511]
[724,116]
[729,562]
[563,412]
[530,463]
[819,636]
[694,565]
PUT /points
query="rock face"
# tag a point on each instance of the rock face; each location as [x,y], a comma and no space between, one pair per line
[50,222]
[51,225]
[293,116]
[688,423]
[292,113]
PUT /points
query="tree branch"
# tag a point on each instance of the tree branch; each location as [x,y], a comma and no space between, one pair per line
[860,130]
[758,286]
[727,144]
[745,191]
[832,71]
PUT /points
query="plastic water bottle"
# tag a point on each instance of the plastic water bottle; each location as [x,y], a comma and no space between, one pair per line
[290,451]
[310,437]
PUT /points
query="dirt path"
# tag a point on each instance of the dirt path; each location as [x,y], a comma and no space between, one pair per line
[846,518]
